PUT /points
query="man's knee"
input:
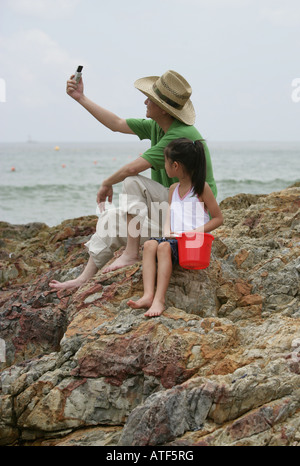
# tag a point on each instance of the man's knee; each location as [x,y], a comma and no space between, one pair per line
[132,185]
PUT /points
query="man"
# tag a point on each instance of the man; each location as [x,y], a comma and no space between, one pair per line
[170,115]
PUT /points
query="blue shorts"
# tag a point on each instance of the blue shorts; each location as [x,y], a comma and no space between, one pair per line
[174,247]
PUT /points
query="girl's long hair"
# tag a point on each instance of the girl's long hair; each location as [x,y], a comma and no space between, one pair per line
[191,155]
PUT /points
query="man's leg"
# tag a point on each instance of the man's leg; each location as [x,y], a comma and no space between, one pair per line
[100,252]
[87,273]
[109,235]
[153,198]
[131,252]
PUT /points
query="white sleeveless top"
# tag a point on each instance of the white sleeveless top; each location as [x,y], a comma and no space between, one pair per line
[187,213]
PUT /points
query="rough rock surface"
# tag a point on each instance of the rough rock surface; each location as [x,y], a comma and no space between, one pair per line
[221,366]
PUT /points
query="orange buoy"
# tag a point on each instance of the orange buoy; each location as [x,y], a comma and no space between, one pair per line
[63,165]
[13,169]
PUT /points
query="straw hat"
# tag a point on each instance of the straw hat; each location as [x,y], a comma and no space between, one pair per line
[171,92]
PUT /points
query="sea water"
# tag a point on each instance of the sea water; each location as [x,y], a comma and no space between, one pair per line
[52,182]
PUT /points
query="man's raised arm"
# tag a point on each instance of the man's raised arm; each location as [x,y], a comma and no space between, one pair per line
[107,118]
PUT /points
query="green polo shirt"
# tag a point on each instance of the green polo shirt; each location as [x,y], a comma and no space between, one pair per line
[149,129]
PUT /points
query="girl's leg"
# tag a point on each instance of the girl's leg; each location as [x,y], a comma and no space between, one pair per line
[164,271]
[149,275]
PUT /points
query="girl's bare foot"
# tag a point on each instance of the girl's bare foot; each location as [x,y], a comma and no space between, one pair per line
[155,310]
[143,303]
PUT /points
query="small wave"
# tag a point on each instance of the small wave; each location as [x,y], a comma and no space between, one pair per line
[48,187]
[231,187]
[46,191]
[251,182]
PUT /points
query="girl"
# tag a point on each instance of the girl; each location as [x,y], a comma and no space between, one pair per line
[185,160]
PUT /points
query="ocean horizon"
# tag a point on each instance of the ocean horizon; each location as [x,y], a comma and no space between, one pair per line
[51,182]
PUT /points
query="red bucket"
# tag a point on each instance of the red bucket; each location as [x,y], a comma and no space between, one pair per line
[194,250]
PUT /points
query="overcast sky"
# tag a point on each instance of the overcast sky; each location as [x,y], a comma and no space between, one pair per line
[241,58]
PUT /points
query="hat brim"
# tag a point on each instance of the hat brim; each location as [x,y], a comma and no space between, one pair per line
[187,114]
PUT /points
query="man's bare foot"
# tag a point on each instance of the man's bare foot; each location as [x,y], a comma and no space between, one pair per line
[143,303]
[65,285]
[155,310]
[123,261]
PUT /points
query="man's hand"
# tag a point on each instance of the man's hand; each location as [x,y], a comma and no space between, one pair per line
[131,169]
[105,192]
[75,90]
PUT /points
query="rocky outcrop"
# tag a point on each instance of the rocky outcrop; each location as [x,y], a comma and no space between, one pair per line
[221,366]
